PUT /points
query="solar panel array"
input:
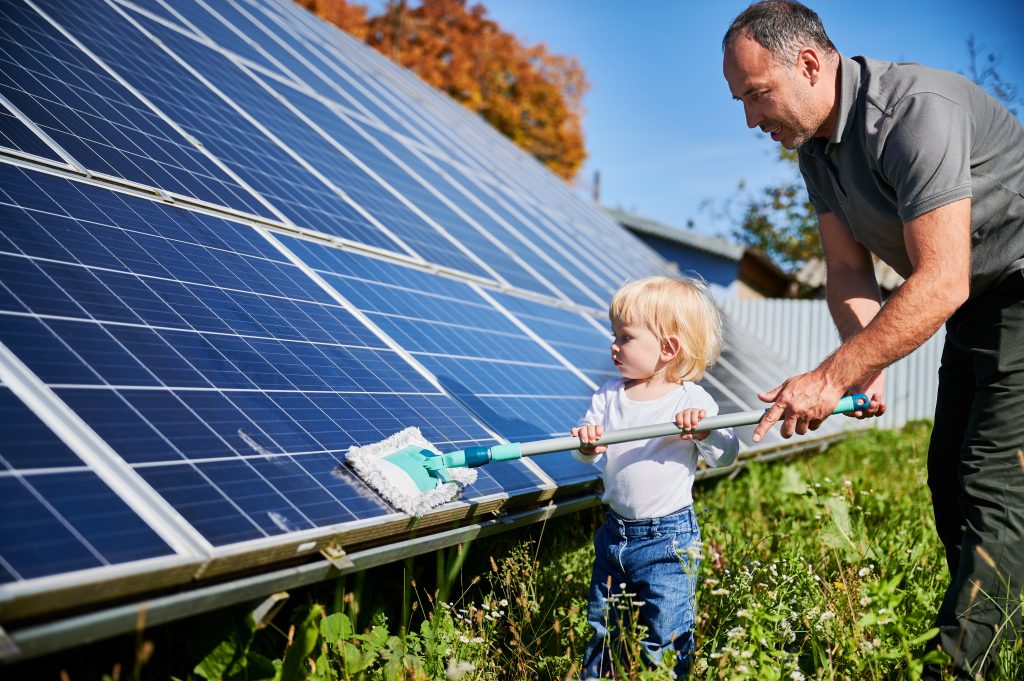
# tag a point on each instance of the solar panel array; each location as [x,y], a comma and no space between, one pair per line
[234,242]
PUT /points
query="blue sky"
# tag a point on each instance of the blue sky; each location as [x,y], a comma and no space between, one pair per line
[660,124]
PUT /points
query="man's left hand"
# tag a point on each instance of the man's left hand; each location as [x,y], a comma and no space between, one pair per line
[801,403]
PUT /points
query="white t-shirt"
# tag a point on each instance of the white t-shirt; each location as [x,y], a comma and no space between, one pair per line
[652,478]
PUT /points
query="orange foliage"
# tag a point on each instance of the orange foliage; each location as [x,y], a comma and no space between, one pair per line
[531,96]
[351,18]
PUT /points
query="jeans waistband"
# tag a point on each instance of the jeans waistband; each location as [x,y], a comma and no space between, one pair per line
[683,520]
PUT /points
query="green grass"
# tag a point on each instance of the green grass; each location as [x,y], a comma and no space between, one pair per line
[825,567]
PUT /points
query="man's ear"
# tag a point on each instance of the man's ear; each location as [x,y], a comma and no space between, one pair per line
[670,346]
[809,64]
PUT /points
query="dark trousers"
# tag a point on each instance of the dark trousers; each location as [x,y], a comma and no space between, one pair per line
[976,476]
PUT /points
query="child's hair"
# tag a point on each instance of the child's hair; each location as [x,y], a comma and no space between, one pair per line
[674,307]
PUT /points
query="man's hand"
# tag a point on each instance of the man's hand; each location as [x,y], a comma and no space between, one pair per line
[875,390]
[801,403]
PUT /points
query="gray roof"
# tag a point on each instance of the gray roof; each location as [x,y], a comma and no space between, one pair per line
[684,237]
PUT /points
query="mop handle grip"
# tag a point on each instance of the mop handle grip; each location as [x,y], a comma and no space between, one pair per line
[744,418]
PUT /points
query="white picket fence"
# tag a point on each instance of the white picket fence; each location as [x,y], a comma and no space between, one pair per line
[802,332]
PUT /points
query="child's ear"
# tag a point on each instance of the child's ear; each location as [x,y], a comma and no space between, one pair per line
[670,346]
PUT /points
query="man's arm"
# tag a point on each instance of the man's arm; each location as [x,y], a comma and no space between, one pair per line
[853,299]
[939,247]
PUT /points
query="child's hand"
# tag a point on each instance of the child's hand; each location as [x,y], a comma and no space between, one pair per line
[588,435]
[688,419]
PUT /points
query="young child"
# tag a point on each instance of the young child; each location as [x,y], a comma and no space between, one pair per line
[666,333]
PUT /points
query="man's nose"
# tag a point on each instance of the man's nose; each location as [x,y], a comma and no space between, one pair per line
[753,116]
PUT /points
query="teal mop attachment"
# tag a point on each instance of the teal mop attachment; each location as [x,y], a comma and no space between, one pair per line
[415,477]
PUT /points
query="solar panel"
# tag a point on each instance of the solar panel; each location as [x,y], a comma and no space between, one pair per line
[192,347]
[102,125]
[511,382]
[75,521]
[234,243]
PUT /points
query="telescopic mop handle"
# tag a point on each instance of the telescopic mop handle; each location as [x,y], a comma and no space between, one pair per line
[515,450]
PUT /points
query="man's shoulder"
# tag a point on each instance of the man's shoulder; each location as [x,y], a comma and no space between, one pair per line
[886,85]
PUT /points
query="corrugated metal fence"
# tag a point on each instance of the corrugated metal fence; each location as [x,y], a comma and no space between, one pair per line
[802,331]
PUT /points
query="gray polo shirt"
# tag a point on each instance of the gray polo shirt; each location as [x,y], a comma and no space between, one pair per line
[910,139]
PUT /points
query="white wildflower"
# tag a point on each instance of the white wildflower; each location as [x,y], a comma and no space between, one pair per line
[747,654]
[464,638]
[742,668]
[743,612]
[847,483]
[865,601]
[456,670]
[736,632]
[503,602]
[720,592]
[796,675]
[864,571]
[478,639]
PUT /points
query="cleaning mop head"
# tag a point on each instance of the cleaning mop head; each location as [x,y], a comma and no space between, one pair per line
[399,468]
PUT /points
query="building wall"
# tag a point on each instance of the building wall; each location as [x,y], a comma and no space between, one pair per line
[716,270]
[803,332]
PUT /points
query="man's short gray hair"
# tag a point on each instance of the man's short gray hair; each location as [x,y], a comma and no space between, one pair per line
[781,27]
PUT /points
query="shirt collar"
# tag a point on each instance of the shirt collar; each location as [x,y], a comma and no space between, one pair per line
[849,88]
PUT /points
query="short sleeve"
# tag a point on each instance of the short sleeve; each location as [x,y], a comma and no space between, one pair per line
[926,156]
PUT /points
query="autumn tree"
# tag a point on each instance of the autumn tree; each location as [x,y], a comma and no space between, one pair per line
[531,96]
[350,18]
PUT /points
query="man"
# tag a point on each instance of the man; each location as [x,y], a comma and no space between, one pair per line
[925,170]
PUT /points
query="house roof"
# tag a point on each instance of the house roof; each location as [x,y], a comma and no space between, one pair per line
[684,237]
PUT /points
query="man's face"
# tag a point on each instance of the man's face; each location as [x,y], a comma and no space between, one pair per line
[776,98]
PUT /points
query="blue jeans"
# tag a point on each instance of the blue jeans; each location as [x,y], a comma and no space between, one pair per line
[651,558]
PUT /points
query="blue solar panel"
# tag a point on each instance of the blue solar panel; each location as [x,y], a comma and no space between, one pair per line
[104,127]
[73,519]
[234,140]
[392,210]
[574,336]
[506,378]
[14,134]
[559,268]
[196,350]
[322,75]
[230,33]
